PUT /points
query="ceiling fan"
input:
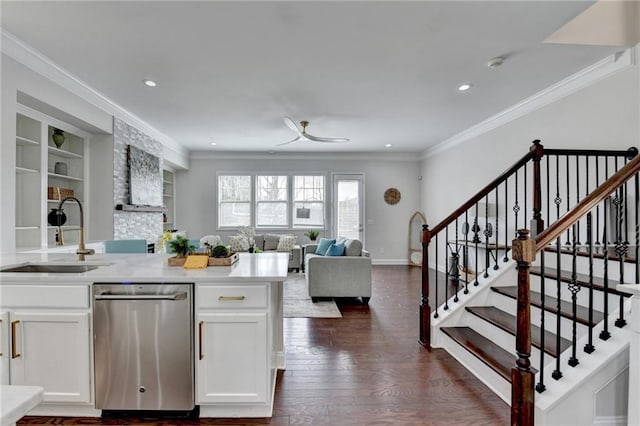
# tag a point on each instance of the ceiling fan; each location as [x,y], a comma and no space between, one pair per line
[304,136]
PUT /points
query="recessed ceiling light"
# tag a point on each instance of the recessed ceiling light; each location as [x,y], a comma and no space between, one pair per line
[213,144]
[464,87]
[388,145]
[149,83]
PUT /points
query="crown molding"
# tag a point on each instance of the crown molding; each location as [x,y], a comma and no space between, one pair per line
[333,156]
[18,50]
[583,78]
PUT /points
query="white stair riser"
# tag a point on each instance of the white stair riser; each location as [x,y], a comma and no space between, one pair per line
[493,380]
[508,304]
[582,267]
[550,289]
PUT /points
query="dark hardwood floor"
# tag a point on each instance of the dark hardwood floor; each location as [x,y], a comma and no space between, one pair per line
[365,368]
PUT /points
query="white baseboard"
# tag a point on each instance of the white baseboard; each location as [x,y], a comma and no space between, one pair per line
[390,262]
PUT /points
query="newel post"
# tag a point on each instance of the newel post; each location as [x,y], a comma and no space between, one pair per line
[425,309]
[522,378]
[537,223]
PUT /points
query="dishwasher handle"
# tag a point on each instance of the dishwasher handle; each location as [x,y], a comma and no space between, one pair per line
[111,296]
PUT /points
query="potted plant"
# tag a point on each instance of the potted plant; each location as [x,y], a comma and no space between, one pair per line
[312,234]
[181,246]
[220,251]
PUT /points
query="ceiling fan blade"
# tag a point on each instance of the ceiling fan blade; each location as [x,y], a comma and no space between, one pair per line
[291,124]
[297,138]
[330,140]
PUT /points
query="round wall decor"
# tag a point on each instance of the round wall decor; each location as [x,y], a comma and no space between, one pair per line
[392,196]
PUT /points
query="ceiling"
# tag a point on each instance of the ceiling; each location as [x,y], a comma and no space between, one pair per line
[377,73]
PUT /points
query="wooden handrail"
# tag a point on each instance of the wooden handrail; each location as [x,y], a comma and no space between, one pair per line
[588,203]
[536,149]
[627,153]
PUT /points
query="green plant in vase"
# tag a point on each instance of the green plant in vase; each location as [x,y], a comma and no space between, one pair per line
[181,246]
[220,251]
[312,234]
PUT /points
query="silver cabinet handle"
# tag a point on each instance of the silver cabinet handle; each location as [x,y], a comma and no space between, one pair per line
[231,298]
[109,296]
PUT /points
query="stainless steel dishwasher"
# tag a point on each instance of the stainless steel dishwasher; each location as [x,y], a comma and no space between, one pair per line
[143,346]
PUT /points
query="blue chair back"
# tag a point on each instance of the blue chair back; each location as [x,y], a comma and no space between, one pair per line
[125,246]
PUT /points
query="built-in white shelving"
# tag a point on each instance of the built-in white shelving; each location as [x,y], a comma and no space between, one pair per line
[41,164]
[168,179]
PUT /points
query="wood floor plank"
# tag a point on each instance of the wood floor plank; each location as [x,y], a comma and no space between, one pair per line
[365,368]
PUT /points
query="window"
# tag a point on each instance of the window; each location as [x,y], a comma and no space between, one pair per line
[234,200]
[272,199]
[308,201]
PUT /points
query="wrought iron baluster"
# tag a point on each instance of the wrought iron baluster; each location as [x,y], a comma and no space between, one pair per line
[476,240]
[598,206]
[557,374]
[525,198]
[548,193]
[495,258]
[446,268]
[487,234]
[516,206]
[574,288]
[577,228]
[437,275]
[558,200]
[540,386]
[456,265]
[506,221]
[589,348]
[466,252]
[604,334]
[636,180]
[568,207]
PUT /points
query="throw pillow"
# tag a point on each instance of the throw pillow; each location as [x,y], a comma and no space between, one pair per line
[335,250]
[323,245]
[353,248]
[238,243]
[271,241]
[286,243]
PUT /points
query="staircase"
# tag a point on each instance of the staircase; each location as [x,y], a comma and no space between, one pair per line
[552,320]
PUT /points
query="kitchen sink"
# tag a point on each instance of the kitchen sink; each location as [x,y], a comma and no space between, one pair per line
[50,269]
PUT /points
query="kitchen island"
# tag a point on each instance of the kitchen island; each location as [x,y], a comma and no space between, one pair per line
[47,328]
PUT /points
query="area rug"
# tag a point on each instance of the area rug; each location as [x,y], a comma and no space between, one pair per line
[298,304]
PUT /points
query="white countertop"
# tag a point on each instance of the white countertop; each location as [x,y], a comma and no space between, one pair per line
[145,267]
[16,401]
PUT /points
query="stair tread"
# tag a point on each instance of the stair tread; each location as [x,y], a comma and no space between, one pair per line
[507,322]
[566,310]
[581,279]
[484,349]
[598,252]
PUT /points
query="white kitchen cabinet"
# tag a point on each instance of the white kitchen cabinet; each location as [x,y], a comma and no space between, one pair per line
[4,348]
[48,339]
[232,358]
[51,350]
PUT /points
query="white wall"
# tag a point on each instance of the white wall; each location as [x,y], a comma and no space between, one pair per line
[386,237]
[600,116]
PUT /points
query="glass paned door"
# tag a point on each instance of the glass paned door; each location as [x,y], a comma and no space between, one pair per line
[348,206]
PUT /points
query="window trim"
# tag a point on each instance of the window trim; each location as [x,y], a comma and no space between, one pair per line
[290,201]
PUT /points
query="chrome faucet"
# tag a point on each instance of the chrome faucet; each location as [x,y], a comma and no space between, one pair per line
[58,218]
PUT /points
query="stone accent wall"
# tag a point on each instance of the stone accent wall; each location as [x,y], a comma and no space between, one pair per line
[127,224]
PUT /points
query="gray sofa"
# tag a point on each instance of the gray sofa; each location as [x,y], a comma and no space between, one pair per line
[339,276]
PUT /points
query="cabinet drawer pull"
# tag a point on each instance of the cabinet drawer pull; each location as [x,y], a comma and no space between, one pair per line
[14,351]
[231,298]
[0,339]
[200,354]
